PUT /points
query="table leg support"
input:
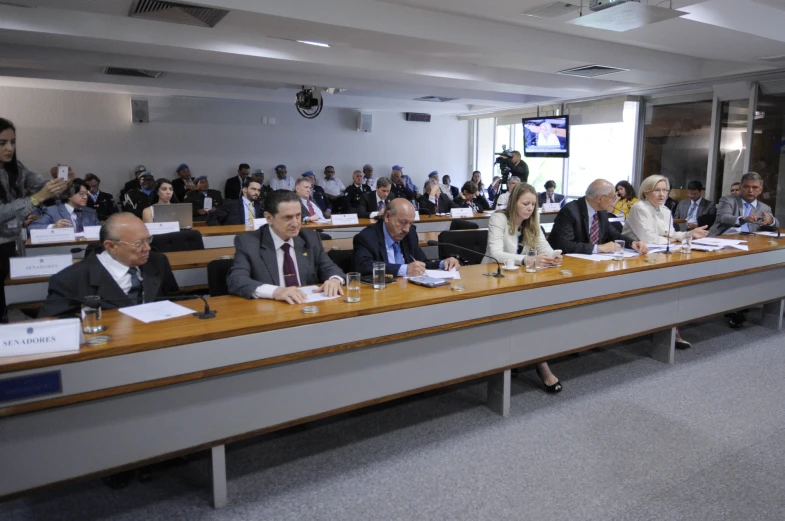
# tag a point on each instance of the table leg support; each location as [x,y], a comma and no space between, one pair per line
[219,476]
[499,393]
[664,345]
[771,315]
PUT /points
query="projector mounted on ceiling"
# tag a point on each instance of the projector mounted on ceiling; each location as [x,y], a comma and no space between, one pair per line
[623,15]
[599,5]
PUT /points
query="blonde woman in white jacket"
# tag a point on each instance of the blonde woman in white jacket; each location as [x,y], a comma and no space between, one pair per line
[512,233]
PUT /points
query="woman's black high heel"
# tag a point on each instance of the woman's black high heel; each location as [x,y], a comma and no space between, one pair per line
[553,389]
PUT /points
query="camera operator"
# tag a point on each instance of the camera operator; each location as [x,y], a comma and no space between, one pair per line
[513,161]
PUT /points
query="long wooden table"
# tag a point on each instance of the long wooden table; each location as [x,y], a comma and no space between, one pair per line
[190,384]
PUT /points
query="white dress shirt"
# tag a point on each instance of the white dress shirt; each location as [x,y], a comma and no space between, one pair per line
[378,200]
[650,225]
[333,186]
[247,205]
[70,213]
[282,184]
[267,290]
[370,182]
[118,271]
[316,210]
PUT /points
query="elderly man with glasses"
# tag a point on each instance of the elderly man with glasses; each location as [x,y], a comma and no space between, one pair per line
[126,273]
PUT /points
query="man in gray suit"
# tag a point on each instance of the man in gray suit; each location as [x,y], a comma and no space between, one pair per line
[695,209]
[743,213]
[278,257]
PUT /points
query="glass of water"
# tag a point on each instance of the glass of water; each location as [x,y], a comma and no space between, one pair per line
[686,244]
[530,261]
[379,281]
[91,315]
[352,287]
[618,250]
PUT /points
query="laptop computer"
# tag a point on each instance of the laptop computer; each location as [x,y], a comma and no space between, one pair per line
[180,212]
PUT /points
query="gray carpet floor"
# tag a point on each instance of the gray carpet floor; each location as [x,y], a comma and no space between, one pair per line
[629,439]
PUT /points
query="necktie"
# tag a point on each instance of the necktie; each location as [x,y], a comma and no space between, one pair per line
[747,212]
[691,213]
[595,229]
[135,293]
[310,209]
[289,271]
[550,199]
[78,222]
[381,205]
[251,214]
[398,253]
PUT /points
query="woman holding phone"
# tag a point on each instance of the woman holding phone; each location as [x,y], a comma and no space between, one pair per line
[512,233]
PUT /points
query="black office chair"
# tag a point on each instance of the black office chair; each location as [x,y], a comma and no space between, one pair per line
[344,259]
[707,220]
[324,236]
[185,240]
[217,271]
[463,224]
[476,240]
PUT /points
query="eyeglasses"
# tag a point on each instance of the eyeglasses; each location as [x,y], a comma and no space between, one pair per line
[135,245]
[663,191]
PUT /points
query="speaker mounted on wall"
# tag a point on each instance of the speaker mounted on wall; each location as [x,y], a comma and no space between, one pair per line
[364,122]
[140,112]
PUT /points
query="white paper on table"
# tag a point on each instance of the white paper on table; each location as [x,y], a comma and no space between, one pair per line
[714,241]
[742,247]
[324,221]
[443,274]
[598,257]
[768,234]
[311,296]
[155,311]
[704,247]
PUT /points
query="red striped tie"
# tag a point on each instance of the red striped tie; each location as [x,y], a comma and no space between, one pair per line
[595,229]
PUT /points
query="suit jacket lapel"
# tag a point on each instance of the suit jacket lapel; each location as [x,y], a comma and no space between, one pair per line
[151,281]
[382,251]
[584,213]
[104,285]
[304,262]
[268,255]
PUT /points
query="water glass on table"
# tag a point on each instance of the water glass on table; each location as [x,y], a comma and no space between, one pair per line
[379,281]
[530,261]
[352,287]
[91,315]
[686,244]
[618,250]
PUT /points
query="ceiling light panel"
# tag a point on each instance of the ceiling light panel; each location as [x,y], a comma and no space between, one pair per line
[626,17]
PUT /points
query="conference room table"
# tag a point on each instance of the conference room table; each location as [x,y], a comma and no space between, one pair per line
[223,236]
[154,391]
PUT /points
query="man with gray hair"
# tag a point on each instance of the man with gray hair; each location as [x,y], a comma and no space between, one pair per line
[582,225]
[743,212]
[503,199]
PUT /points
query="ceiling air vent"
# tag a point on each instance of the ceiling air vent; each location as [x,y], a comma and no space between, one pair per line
[590,71]
[177,13]
[435,99]
[137,73]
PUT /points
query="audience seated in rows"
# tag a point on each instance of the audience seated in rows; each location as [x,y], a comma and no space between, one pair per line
[282,181]
[183,183]
[137,199]
[356,191]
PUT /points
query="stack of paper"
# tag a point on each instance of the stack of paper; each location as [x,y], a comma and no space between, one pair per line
[597,257]
[715,244]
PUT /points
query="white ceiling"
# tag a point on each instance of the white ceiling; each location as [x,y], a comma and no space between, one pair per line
[384,53]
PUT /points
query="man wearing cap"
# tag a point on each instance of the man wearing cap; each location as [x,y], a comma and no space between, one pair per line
[399,187]
[183,183]
[407,181]
[368,179]
[318,196]
[133,183]
[199,196]
[281,181]
[333,187]
[137,199]
[233,189]
[355,191]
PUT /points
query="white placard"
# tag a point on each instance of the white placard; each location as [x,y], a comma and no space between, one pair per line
[416,216]
[462,212]
[161,228]
[92,232]
[258,223]
[52,235]
[23,267]
[35,338]
[344,218]
[551,207]
[208,203]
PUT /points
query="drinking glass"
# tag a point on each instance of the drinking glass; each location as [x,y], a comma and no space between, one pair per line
[353,287]
[686,244]
[91,315]
[530,261]
[618,250]
[379,281]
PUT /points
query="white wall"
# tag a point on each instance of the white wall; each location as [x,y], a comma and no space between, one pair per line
[92,132]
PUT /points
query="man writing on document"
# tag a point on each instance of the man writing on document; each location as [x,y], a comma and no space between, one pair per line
[274,260]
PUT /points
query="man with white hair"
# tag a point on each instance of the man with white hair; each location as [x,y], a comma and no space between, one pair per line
[503,199]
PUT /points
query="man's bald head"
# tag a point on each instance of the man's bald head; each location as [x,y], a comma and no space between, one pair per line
[125,236]
[600,194]
[398,218]
[402,206]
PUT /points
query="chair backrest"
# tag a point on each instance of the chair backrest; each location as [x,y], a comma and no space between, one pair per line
[344,259]
[707,220]
[217,271]
[184,240]
[463,224]
[476,240]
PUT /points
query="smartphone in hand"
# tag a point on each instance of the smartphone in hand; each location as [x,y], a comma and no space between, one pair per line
[62,173]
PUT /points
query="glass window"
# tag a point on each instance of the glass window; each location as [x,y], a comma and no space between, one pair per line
[767,148]
[730,156]
[676,142]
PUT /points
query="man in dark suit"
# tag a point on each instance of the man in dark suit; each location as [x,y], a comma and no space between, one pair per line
[198,196]
[136,200]
[356,191]
[233,189]
[240,211]
[434,201]
[399,188]
[549,195]
[582,225]
[278,257]
[374,202]
[101,202]
[318,194]
[126,273]
[183,183]
[133,183]
[449,189]
[695,208]
[394,241]
[743,213]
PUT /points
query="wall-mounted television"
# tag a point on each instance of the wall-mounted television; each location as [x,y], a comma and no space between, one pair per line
[546,136]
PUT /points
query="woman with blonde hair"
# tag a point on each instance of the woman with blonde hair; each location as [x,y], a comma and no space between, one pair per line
[512,233]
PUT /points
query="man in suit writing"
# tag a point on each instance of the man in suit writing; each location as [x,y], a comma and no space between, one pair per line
[125,274]
[582,225]
[373,204]
[743,213]
[277,258]
[394,241]
[695,209]
[240,211]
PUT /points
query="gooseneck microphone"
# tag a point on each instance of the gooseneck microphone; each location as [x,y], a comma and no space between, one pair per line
[670,225]
[498,274]
[206,313]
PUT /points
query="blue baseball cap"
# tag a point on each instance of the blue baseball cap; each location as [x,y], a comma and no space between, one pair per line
[258,171]
[279,167]
[146,174]
[181,167]
[434,174]
[200,178]
[309,173]
[397,167]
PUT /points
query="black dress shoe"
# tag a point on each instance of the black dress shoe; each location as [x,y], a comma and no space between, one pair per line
[682,344]
[734,324]
[145,474]
[119,480]
[554,388]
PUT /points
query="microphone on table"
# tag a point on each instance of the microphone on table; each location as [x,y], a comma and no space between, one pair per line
[668,247]
[498,274]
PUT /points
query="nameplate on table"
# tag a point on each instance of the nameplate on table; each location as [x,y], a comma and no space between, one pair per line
[461,212]
[52,235]
[345,218]
[35,338]
[43,265]
[91,233]
[258,223]
[551,207]
[161,228]
[416,216]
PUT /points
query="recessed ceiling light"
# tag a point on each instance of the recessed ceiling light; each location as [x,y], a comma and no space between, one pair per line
[318,44]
